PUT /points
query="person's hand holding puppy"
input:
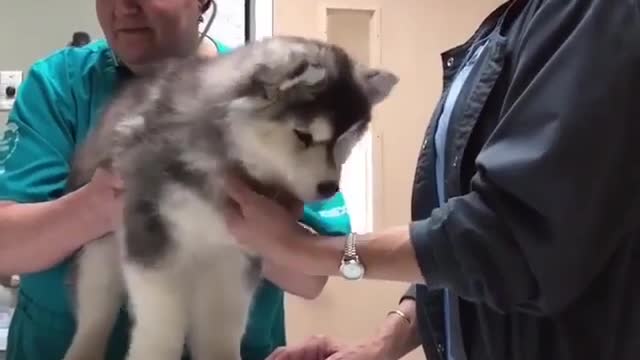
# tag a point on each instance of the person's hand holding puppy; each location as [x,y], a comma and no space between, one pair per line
[260,224]
[105,196]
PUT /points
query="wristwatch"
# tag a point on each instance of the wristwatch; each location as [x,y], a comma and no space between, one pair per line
[351,267]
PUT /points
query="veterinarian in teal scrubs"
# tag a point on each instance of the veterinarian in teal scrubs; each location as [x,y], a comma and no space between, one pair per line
[59,102]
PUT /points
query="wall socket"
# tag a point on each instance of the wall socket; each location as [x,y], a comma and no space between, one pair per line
[9,84]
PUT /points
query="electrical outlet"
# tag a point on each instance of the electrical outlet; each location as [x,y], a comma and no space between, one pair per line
[9,83]
[11,77]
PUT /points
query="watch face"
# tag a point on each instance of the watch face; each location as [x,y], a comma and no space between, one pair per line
[352,270]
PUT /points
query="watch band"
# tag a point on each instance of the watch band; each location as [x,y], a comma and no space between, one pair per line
[351,267]
[350,247]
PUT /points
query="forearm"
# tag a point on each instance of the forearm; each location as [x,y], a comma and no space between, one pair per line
[398,335]
[294,282]
[387,255]
[40,235]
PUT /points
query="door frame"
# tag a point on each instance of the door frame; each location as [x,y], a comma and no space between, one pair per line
[367,155]
[258,19]
[375,57]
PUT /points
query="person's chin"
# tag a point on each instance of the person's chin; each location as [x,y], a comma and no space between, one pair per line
[134,49]
[137,57]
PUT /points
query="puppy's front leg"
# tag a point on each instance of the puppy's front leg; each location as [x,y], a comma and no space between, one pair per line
[158,303]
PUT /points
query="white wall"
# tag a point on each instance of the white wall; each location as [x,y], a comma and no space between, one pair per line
[228,27]
[31,29]
[263,18]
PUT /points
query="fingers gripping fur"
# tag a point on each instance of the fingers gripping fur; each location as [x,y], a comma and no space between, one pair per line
[109,141]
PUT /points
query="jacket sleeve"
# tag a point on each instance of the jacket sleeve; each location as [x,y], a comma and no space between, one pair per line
[551,199]
[409,294]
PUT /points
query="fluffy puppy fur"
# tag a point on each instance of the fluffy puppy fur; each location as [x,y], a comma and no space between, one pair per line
[285,112]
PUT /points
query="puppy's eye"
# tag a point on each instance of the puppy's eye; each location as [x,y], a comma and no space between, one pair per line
[304,138]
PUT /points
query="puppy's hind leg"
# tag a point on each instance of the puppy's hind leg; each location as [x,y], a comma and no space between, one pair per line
[157,300]
[220,307]
[99,295]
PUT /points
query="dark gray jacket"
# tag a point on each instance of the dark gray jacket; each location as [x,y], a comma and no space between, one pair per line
[541,234]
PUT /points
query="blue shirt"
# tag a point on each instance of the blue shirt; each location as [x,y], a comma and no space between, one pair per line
[455,347]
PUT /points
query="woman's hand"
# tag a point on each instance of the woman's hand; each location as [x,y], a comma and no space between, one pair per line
[325,348]
[314,348]
[260,224]
[368,350]
[105,193]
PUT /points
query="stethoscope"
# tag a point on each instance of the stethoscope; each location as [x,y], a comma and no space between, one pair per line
[123,70]
[207,27]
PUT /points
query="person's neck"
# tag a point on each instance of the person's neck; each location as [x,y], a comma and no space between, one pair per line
[207,48]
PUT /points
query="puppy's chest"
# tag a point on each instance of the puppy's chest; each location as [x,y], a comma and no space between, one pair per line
[204,246]
[195,223]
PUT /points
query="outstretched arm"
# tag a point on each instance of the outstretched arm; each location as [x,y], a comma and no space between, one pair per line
[294,281]
[549,205]
[38,236]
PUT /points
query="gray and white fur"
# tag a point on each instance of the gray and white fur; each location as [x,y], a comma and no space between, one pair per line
[285,112]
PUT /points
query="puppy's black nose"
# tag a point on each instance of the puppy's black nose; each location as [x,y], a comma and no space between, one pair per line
[328,188]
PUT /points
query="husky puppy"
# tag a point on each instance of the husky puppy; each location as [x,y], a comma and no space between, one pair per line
[285,112]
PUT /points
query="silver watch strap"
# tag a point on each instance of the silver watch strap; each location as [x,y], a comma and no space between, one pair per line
[350,247]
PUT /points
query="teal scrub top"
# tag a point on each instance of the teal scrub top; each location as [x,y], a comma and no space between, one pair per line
[58,103]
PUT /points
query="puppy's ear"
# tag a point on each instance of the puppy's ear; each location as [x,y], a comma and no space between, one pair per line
[378,84]
[300,78]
